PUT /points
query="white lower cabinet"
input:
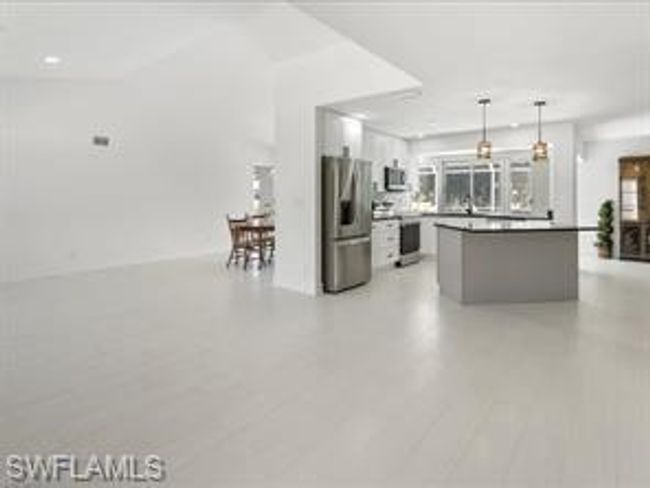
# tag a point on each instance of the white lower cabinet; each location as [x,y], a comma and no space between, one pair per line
[428,235]
[385,242]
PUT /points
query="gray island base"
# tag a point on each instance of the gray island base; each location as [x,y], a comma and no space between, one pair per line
[508,262]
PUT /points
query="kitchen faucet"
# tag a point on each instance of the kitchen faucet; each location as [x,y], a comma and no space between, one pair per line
[470,207]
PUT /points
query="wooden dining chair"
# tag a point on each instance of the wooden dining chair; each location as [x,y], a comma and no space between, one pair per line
[240,241]
[265,241]
[258,216]
[269,245]
[257,243]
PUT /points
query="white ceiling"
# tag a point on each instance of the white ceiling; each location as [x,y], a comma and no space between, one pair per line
[106,40]
[590,60]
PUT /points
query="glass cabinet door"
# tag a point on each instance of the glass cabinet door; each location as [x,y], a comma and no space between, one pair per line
[634,207]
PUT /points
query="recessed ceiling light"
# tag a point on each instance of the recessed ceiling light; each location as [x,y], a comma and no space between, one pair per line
[514,125]
[51,60]
[360,116]
[420,135]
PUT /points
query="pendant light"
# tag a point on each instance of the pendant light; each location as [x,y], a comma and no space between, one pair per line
[540,148]
[484,147]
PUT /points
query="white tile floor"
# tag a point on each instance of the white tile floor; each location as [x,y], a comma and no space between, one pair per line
[238,384]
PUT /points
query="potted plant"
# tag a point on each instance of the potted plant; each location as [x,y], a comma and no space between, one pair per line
[604,241]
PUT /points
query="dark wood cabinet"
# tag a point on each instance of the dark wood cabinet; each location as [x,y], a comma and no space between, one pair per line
[634,207]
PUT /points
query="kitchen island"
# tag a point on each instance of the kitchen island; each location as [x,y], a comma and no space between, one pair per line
[508,261]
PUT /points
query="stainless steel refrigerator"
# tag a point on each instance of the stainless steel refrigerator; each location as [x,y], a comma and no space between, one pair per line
[347,222]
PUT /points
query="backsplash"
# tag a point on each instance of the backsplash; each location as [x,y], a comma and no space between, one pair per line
[398,200]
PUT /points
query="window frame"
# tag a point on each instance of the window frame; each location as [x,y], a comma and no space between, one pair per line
[501,166]
[455,167]
[429,170]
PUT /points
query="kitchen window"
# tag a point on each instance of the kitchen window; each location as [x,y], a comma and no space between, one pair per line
[509,183]
[478,184]
[426,195]
[487,187]
[457,185]
[521,187]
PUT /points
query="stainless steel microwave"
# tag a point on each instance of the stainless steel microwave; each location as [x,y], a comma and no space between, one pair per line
[394,179]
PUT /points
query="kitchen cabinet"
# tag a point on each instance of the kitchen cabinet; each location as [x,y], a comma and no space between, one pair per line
[634,205]
[382,150]
[429,231]
[508,262]
[337,131]
[371,151]
[428,235]
[385,243]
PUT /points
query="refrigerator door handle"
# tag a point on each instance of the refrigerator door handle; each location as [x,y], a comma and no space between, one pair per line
[353,242]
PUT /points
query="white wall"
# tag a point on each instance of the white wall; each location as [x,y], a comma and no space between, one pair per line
[627,126]
[184,135]
[343,71]
[598,179]
[563,154]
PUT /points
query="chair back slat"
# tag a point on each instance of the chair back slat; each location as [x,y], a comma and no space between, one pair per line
[237,233]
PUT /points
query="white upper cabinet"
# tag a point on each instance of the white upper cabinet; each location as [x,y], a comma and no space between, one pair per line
[382,150]
[338,131]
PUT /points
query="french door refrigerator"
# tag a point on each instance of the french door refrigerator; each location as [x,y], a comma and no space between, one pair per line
[347,222]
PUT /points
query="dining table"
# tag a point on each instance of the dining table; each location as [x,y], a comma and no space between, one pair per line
[260,232]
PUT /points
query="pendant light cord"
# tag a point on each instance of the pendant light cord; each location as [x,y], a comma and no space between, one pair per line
[484,122]
[484,102]
[539,104]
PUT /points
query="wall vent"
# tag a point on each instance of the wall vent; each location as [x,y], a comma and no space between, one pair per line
[101,141]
